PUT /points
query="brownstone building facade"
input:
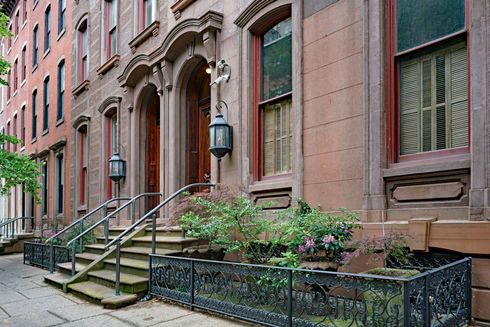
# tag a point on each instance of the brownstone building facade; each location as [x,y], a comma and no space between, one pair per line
[35,106]
[344,103]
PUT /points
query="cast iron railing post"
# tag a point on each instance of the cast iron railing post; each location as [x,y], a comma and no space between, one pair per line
[153,233]
[118,268]
[133,212]
[150,261]
[468,289]
[81,238]
[51,257]
[406,304]
[192,284]
[290,298]
[426,312]
[73,252]
[106,231]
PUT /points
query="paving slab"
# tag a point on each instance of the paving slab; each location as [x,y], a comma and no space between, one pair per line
[72,313]
[36,305]
[10,296]
[40,319]
[37,292]
[99,321]
[148,314]
[201,321]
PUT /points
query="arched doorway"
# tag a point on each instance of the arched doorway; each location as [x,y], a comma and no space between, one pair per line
[198,99]
[152,146]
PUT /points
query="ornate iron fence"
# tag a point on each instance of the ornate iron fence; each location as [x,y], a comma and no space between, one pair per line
[276,296]
[38,254]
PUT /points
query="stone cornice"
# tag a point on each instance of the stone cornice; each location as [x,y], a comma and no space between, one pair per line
[252,10]
[108,101]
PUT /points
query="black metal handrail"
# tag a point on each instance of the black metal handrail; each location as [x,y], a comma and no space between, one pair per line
[152,214]
[79,222]
[105,221]
[10,225]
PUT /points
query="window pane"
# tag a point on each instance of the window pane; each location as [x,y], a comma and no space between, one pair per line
[112,14]
[276,67]
[422,21]
[148,12]
[434,101]
[277,138]
[114,134]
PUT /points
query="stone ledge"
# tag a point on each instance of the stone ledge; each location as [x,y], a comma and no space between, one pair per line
[150,30]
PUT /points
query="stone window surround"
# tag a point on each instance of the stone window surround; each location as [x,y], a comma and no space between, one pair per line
[80,122]
[250,23]
[82,84]
[104,60]
[59,147]
[376,164]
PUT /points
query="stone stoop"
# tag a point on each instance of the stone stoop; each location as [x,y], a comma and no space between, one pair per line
[16,244]
[95,277]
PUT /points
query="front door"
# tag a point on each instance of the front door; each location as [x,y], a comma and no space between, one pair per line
[199,118]
[153,151]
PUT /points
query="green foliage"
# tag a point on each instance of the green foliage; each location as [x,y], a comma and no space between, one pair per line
[316,235]
[4,32]
[16,169]
[287,259]
[234,225]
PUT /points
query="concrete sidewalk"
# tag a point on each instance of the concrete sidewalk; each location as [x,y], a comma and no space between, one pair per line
[25,300]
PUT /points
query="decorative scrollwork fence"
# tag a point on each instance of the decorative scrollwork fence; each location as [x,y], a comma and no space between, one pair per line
[276,296]
[38,254]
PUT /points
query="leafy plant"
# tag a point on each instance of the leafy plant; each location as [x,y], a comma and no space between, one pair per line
[315,235]
[235,224]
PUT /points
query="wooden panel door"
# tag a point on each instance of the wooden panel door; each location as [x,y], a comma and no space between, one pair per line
[153,152]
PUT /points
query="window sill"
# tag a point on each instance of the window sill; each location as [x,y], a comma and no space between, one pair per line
[60,121]
[46,131]
[46,52]
[83,86]
[179,6]
[35,4]
[22,149]
[109,64]
[33,140]
[34,68]
[82,208]
[22,83]
[150,30]
[446,163]
[24,24]
[8,101]
[60,34]
[270,185]
[9,50]
[14,94]
[16,38]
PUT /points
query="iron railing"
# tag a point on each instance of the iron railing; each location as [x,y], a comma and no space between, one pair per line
[11,227]
[105,221]
[276,296]
[38,254]
[152,213]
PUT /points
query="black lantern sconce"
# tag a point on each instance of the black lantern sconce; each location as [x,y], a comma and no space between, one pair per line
[117,168]
[220,134]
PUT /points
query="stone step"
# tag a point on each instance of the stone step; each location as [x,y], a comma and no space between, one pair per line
[114,231]
[167,242]
[66,267]
[166,231]
[142,252]
[86,257]
[95,248]
[57,279]
[101,239]
[129,283]
[128,266]
[101,294]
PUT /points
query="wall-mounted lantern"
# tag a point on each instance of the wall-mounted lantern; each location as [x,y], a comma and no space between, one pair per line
[220,134]
[117,168]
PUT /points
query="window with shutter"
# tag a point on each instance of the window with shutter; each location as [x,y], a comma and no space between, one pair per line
[434,101]
[275,100]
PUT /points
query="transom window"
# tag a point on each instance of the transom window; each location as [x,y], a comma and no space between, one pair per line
[111,27]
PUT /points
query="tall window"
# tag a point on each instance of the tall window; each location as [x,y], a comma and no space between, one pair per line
[16,74]
[9,86]
[274,101]
[24,8]
[61,15]
[60,168]
[7,132]
[61,90]
[147,15]
[14,130]
[430,62]
[10,37]
[17,23]
[35,46]
[24,67]
[23,125]
[83,51]
[83,155]
[111,27]
[44,177]
[45,104]
[47,29]
[111,146]
[34,114]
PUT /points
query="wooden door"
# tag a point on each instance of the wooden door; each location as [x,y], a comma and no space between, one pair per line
[153,151]
[199,118]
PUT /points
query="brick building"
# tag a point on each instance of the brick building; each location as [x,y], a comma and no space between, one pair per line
[35,106]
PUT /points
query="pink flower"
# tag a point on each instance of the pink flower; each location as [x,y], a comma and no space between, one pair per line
[301,249]
[328,239]
[309,243]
